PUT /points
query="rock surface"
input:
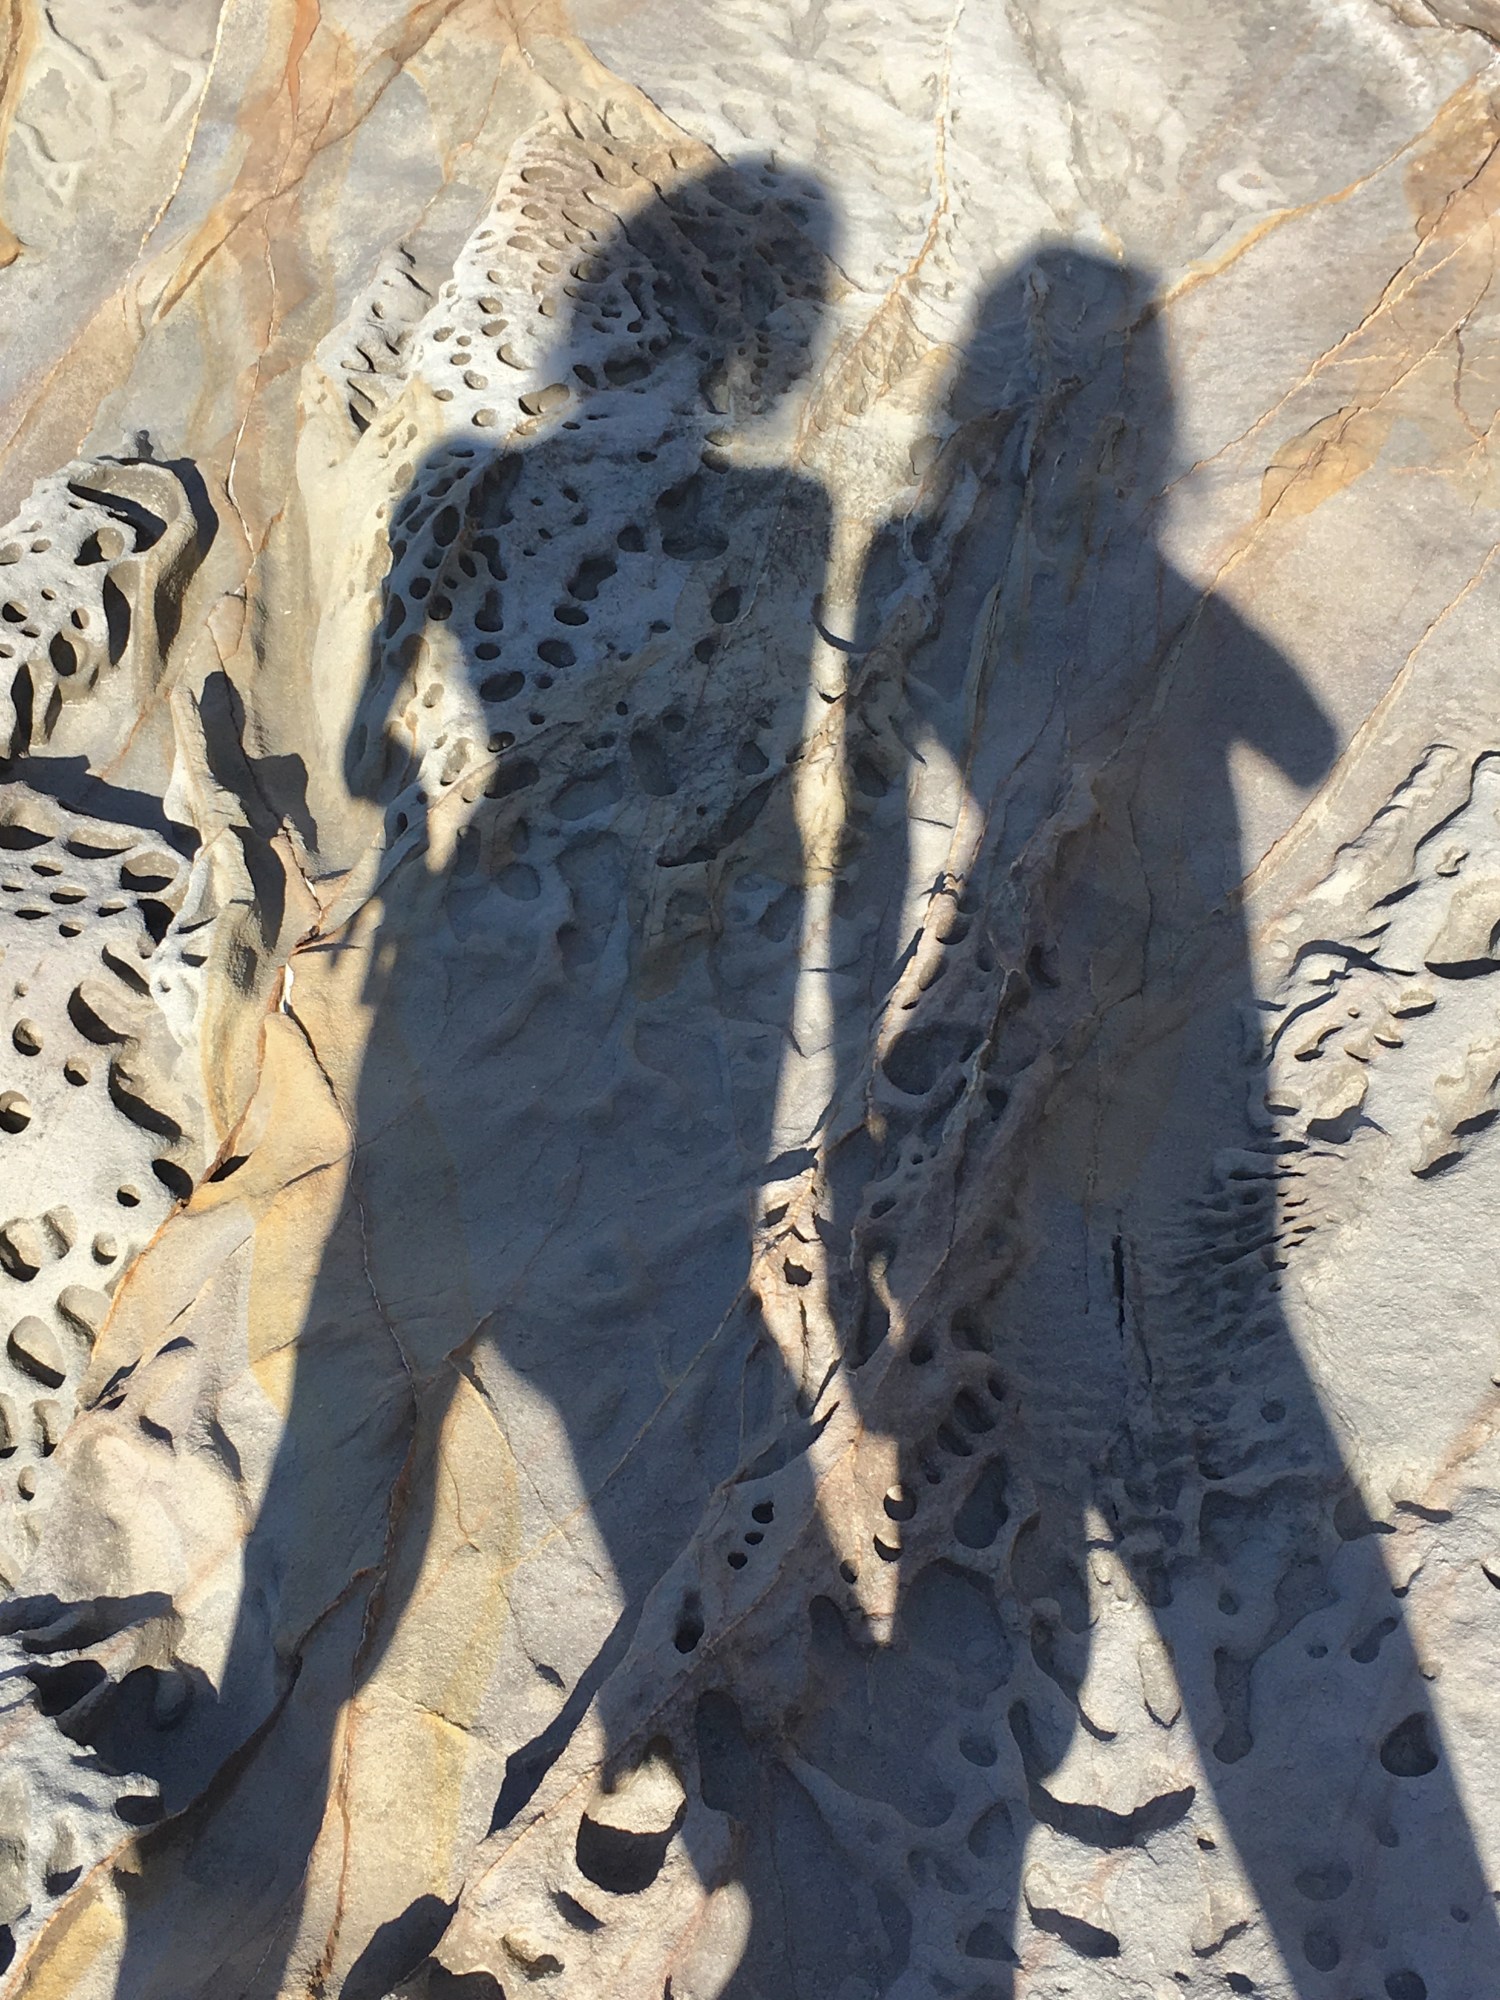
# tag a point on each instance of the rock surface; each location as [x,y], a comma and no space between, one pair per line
[750,902]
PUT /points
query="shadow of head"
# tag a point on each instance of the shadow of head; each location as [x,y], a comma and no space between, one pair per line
[1066,354]
[697,315]
[1066,388]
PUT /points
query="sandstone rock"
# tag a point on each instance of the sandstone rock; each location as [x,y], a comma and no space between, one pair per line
[748,910]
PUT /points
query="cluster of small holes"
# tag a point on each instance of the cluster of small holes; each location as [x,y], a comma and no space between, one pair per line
[369,350]
[556,270]
[59,635]
[762,1514]
[39,888]
[972,1415]
[71,879]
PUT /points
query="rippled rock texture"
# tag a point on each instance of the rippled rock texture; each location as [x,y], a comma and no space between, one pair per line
[750,901]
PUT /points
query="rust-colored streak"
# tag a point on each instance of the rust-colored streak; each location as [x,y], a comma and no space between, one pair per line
[1459,145]
[282,120]
[1330,455]
[18,23]
[311,99]
[308,19]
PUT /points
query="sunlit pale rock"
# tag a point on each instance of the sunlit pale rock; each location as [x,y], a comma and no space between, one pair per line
[749,918]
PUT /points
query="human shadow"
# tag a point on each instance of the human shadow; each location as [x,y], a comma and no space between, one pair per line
[587,685]
[1102,1393]
[588,694]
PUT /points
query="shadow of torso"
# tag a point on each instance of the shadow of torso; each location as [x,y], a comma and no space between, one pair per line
[561,1025]
[1121,1501]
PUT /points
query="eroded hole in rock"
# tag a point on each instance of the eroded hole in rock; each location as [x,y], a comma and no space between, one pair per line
[139,1809]
[1409,1750]
[623,1838]
[689,1628]
[60,1688]
[1405,1985]
[1077,1933]
[177,1182]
